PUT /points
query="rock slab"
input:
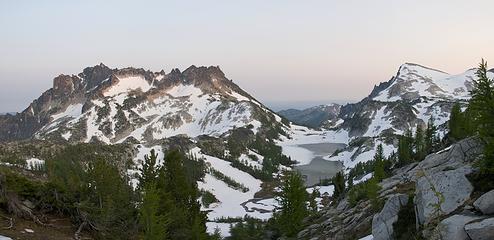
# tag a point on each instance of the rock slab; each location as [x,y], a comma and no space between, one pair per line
[485,203]
[483,230]
[382,223]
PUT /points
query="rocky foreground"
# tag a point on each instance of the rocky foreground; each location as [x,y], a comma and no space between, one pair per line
[445,202]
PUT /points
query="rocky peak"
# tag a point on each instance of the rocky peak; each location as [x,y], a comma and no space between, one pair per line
[198,75]
[63,84]
[94,76]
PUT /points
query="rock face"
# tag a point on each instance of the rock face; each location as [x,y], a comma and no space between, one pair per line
[483,230]
[441,193]
[382,223]
[452,228]
[441,190]
[485,203]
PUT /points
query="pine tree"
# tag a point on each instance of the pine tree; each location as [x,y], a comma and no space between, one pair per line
[188,222]
[405,148]
[153,223]
[379,173]
[110,204]
[149,171]
[419,144]
[312,200]
[293,204]
[455,122]
[431,138]
[339,185]
[482,105]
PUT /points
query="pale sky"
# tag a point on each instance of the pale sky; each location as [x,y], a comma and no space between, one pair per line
[282,52]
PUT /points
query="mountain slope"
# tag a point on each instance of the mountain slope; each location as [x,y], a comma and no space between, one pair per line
[314,117]
[112,105]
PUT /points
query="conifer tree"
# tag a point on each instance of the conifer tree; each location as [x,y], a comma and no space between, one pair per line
[482,105]
[339,185]
[312,200]
[379,173]
[149,171]
[455,123]
[430,136]
[405,148]
[293,204]
[153,223]
[419,144]
[188,221]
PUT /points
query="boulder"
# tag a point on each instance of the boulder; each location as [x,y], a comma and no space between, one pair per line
[382,223]
[452,228]
[485,203]
[441,193]
[483,230]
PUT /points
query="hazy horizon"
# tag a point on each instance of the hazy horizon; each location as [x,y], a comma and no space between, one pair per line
[303,52]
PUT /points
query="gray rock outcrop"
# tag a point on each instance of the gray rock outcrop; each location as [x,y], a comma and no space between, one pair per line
[452,228]
[485,203]
[382,223]
[483,230]
[441,193]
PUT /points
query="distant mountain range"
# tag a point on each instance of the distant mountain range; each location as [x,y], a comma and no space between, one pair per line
[314,117]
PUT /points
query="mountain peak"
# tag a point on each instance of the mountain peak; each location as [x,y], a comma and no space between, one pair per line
[408,67]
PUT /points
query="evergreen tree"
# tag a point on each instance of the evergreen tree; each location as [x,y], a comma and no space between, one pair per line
[149,171]
[455,123]
[405,149]
[339,185]
[153,223]
[431,138]
[188,222]
[419,144]
[379,173]
[110,205]
[293,204]
[482,105]
[312,200]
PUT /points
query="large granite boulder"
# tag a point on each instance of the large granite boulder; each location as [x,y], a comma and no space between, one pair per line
[382,223]
[441,193]
[452,228]
[485,203]
[483,230]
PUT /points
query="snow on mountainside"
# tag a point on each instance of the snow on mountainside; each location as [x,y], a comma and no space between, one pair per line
[407,101]
[142,105]
[414,81]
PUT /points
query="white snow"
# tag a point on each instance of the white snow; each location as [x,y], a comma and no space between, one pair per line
[368,237]
[67,135]
[322,189]
[126,84]
[379,122]
[224,228]
[430,83]
[73,110]
[184,90]
[230,199]
[33,162]
[364,178]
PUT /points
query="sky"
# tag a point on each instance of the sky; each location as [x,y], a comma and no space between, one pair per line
[285,53]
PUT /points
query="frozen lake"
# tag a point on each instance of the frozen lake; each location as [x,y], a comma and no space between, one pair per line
[319,169]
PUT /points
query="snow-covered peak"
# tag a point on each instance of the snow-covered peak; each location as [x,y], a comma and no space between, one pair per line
[113,105]
[414,81]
